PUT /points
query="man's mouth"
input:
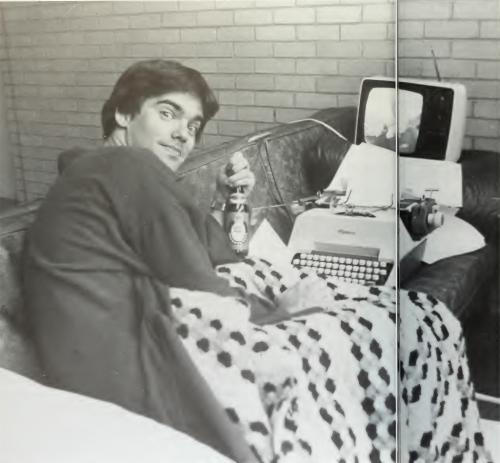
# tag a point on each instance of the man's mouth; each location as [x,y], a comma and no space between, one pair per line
[172,150]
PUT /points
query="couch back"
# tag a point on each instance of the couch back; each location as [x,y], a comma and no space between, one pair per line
[290,161]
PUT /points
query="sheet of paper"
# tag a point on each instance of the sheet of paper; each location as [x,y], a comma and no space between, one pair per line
[267,244]
[368,172]
[453,238]
[418,175]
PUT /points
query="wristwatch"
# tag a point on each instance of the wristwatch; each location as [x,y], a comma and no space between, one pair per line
[217,205]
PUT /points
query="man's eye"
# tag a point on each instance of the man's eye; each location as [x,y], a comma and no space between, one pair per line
[193,129]
[166,114]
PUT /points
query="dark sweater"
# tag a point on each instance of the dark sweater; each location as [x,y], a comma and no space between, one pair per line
[115,231]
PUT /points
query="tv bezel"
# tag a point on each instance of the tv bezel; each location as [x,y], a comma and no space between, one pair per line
[450,146]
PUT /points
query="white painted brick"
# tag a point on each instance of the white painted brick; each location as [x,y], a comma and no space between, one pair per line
[237,97]
[94,37]
[253,49]
[338,84]
[487,144]
[294,16]
[363,31]
[150,50]
[384,12]
[179,50]
[215,18]
[410,29]
[490,29]
[489,70]
[317,66]
[347,100]
[236,65]
[422,48]
[211,127]
[226,113]
[274,99]
[288,115]
[274,65]
[380,49]
[128,7]
[315,100]
[144,21]
[89,106]
[318,32]
[222,49]
[236,34]
[482,9]
[487,109]
[196,5]
[253,17]
[339,14]
[236,128]
[476,49]
[340,49]
[482,128]
[199,35]
[201,64]
[220,81]
[97,23]
[315,2]
[233,4]
[424,9]
[255,114]
[178,19]
[361,68]
[452,29]
[295,49]
[160,6]
[273,3]
[297,83]
[482,89]
[280,33]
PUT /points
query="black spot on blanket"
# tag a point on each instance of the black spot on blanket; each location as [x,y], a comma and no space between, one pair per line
[260,346]
[225,358]
[203,344]
[248,375]
[258,426]
[238,337]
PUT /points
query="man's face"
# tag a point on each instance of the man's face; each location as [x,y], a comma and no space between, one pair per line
[167,125]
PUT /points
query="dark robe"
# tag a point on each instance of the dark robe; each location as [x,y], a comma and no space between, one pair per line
[115,231]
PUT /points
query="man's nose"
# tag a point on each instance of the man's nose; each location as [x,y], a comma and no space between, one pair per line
[180,131]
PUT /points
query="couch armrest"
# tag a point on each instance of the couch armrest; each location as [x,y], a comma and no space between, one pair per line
[480,172]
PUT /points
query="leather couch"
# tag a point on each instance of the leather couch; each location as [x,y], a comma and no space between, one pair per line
[290,161]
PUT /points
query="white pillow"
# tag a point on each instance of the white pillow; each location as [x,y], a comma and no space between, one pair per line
[39,424]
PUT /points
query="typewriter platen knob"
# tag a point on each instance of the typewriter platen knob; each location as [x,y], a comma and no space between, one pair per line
[435,219]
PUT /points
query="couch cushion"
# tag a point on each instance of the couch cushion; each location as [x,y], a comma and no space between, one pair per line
[457,281]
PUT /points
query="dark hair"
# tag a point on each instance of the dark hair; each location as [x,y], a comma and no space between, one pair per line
[147,79]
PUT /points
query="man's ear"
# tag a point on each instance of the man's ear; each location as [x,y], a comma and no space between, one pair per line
[123,120]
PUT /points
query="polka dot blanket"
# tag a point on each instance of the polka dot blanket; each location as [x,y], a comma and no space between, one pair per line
[324,387]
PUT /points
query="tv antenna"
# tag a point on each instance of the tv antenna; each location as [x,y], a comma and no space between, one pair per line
[436,68]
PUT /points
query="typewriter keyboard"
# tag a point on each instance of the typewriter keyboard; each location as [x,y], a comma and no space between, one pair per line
[368,271]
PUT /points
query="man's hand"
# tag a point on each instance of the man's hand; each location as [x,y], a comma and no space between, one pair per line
[236,173]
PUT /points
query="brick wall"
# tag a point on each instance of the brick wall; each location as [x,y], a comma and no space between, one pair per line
[465,37]
[269,61]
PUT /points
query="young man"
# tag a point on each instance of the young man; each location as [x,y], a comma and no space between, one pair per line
[114,233]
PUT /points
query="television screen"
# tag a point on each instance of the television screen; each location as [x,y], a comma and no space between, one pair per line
[431,117]
[380,119]
[410,107]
